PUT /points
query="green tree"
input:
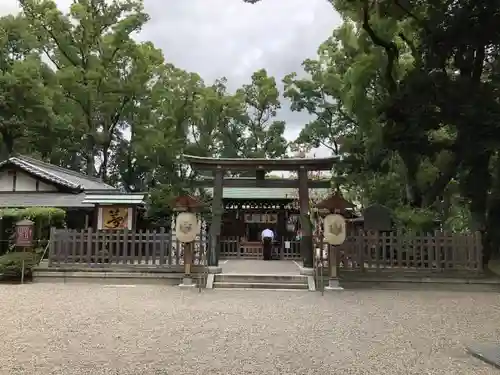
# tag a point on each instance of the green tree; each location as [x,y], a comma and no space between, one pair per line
[103,72]
[25,89]
[258,131]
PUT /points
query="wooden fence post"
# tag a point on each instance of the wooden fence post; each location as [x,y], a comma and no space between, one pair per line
[52,238]
[479,250]
[162,246]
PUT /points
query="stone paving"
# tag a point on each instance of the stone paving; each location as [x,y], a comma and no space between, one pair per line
[94,329]
[250,266]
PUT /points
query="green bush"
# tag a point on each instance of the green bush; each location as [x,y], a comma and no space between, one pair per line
[11,264]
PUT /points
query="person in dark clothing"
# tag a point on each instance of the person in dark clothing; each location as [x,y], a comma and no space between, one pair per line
[267,237]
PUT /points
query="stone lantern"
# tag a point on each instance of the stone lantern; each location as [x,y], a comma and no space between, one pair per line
[332,211]
[187,228]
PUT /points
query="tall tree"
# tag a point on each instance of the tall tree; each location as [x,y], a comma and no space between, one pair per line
[102,70]
[25,88]
[259,133]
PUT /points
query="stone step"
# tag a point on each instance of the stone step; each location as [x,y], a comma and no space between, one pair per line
[103,277]
[256,285]
[261,278]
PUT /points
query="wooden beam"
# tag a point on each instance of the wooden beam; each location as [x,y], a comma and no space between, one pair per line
[306,245]
[217,209]
[237,164]
[271,183]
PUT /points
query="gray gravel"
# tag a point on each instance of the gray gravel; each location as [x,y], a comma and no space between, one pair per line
[94,329]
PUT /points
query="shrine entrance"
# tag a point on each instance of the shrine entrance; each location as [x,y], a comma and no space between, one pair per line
[254,215]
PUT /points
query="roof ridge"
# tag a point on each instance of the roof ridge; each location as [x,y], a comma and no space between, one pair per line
[61,169]
[42,172]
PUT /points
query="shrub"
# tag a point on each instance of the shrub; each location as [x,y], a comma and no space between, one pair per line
[11,264]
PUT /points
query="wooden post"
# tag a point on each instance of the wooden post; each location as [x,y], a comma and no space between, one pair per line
[217,209]
[306,245]
[52,238]
[188,258]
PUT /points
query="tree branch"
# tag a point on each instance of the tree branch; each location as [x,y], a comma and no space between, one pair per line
[390,48]
[412,15]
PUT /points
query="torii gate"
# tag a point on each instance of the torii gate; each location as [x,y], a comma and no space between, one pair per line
[260,165]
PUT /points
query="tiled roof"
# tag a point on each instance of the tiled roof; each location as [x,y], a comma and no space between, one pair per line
[57,175]
[263,193]
[61,200]
[118,198]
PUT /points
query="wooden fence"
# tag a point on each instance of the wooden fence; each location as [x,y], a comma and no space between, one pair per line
[437,252]
[154,248]
[361,252]
[389,251]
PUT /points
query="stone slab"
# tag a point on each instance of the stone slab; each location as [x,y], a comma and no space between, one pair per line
[210,281]
[187,286]
[306,271]
[333,285]
[311,283]
[214,269]
[488,353]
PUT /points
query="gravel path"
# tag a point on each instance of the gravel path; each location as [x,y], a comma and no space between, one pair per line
[93,329]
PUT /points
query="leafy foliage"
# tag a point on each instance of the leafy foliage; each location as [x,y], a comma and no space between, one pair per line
[11,264]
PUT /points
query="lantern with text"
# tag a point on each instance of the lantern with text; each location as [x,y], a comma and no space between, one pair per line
[24,233]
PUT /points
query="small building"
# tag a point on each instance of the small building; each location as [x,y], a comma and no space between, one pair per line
[250,210]
[88,201]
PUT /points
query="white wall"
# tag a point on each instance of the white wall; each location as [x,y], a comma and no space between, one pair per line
[6,181]
[23,182]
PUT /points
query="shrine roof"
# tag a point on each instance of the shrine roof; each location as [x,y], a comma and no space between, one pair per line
[285,164]
[254,193]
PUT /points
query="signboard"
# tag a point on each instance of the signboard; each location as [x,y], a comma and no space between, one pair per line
[24,233]
[114,217]
[334,229]
[261,218]
[377,218]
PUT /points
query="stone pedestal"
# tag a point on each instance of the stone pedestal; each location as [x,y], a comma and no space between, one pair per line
[187,283]
[306,271]
[214,269]
[333,284]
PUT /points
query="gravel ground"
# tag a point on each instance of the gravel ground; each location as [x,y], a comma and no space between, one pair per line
[94,329]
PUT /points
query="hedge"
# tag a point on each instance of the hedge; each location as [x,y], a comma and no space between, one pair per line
[11,263]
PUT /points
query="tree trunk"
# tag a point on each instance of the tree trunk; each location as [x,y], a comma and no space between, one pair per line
[7,148]
[90,157]
[476,186]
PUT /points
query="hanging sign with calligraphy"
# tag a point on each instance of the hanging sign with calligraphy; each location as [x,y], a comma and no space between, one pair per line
[24,233]
[114,217]
[261,218]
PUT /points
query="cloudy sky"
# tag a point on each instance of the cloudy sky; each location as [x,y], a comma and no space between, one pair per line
[233,39]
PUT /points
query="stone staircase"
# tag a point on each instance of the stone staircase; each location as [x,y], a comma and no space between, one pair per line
[256,281]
